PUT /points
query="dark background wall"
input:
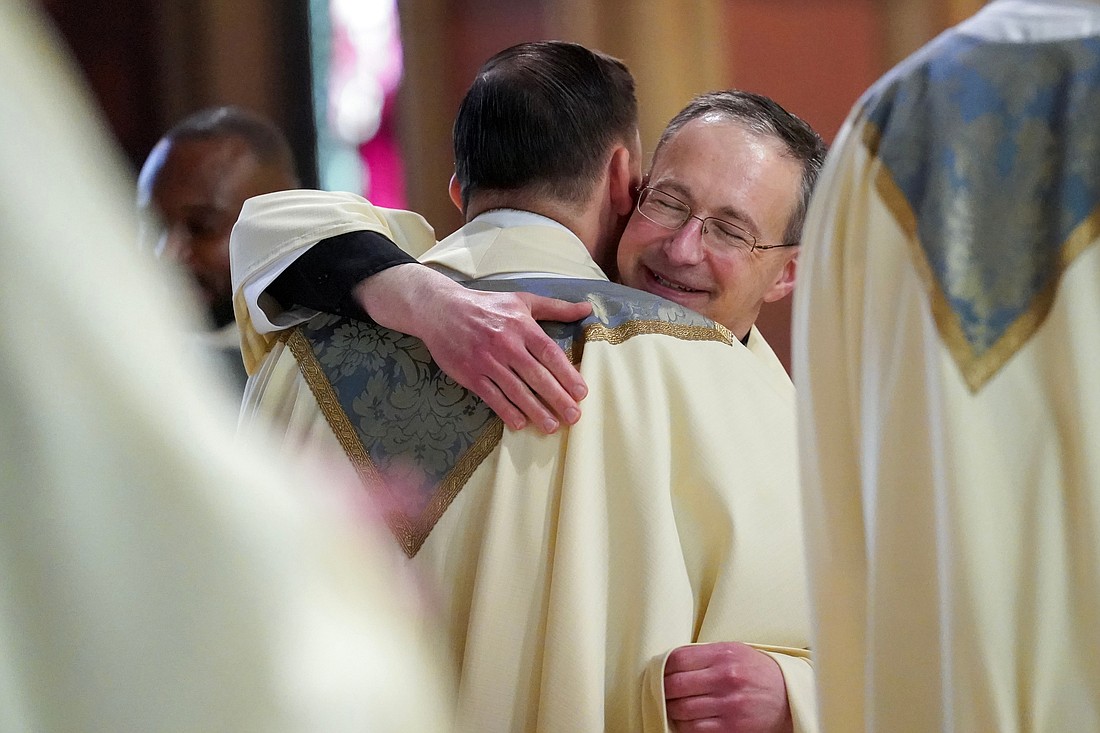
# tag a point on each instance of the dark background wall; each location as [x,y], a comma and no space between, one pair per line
[150,62]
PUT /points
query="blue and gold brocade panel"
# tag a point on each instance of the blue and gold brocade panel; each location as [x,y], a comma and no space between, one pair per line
[991,157]
[415,435]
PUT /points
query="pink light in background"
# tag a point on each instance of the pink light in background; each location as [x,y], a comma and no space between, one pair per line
[364,79]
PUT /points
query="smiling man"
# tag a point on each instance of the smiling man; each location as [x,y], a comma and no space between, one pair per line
[716,229]
[641,568]
[718,221]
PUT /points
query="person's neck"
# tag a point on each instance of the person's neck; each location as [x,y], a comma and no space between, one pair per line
[221,314]
[580,220]
[743,327]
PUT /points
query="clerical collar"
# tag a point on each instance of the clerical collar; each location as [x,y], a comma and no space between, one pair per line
[505,218]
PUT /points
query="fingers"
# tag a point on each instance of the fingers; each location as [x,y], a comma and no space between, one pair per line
[698,707]
[704,725]
[552,309]
[491,344]
[687,658]
[692,703]
[551,358]
[551,375]
[548,380]
[527,392]
[688,684]
[538,394]
[731,682]
[700,656]
[491,395]
[515,392]
[513,383]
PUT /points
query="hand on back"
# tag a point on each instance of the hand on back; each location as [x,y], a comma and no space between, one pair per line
[488,342]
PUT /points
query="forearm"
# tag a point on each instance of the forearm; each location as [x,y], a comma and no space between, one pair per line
[487,342]
[276,229]
[365,275]
[326,277]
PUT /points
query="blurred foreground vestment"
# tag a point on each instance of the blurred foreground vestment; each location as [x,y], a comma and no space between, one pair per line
[947,340]
[155,577]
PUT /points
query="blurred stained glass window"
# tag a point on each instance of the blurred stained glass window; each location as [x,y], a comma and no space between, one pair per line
[357,70]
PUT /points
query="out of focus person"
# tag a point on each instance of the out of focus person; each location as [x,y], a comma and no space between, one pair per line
[191,189]
[155,578]
[947,336]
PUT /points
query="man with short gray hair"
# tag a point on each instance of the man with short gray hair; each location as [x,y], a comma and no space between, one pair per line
[640,567]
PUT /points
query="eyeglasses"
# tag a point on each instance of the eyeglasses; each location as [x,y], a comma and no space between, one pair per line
[671,213]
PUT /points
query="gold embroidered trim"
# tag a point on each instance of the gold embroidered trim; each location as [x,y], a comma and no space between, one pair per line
[411,532]
[630,329]
[977,370]
[330,406]
[871,137]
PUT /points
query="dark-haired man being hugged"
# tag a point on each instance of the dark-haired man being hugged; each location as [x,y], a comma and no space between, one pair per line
[652,548]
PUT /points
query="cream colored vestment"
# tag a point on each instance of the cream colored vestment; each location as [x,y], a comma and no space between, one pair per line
[155,577]
[951,453]
[570,565]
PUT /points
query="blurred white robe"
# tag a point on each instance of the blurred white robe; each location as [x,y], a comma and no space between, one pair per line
[155,577]
[952,493]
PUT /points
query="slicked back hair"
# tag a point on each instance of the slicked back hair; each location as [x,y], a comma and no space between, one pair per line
[765,117]
[264,139]
[543,117]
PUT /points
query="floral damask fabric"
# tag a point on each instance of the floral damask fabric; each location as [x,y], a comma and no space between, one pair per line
[938,124]
[618,312]
[419,431]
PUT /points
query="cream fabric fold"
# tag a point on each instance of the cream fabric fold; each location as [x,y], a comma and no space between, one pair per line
[277,227]
[668,515]
[953,537]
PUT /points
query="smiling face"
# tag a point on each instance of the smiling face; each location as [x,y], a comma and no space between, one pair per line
[195,188]
[721,169]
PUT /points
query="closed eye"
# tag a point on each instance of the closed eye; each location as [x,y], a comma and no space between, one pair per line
[730,233]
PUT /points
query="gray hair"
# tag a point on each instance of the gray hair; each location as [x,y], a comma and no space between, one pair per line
[765,117]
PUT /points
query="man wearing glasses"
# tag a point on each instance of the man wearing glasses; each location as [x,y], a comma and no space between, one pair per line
[644,565]
[722,210]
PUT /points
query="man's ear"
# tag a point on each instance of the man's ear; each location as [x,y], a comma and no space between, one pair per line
[455,192]
[784,281]
[624,180]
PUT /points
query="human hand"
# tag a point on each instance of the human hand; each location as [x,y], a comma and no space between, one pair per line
[725,686]
[487,342]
